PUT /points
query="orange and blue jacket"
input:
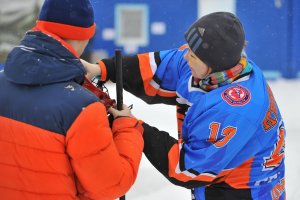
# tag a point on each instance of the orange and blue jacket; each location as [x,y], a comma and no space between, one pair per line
[55,138]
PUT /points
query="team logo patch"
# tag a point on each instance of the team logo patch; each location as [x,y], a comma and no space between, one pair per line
[236,95]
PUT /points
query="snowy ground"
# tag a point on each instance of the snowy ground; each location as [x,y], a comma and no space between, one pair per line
[151,185]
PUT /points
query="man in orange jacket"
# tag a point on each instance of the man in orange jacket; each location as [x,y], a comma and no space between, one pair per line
[55,138]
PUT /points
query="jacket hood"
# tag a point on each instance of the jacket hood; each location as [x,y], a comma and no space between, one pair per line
[41,59]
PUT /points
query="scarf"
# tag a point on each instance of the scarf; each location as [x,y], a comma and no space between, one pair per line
[226,77]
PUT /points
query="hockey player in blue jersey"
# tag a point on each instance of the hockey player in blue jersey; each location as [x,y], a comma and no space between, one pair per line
[231,134]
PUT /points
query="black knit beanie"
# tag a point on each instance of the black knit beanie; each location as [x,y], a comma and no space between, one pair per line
[217,39]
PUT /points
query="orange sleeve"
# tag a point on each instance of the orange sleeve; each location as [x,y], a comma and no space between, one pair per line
[103,76]
[105,163]
[147,76]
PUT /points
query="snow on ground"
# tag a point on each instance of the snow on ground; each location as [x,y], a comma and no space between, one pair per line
[151,185]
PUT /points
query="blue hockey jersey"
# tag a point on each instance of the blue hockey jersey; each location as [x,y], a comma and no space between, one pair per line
[231,139]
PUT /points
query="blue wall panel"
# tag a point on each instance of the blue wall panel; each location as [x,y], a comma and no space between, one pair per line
[294,50]
[176,14]
[272,29]
[266,26]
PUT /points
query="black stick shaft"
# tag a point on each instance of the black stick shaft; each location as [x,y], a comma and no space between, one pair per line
[119,85]
[122,197]
[119,79]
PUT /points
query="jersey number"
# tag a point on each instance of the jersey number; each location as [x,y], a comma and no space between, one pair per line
[226,134]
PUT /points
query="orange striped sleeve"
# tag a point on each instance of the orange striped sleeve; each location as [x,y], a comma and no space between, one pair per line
[184,176]
[147,73]
[103,70]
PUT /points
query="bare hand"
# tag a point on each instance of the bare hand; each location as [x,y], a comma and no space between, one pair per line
[92,70]
[125,112]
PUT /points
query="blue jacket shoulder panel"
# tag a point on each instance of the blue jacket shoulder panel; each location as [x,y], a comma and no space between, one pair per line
[52,107]
[40,84]
[40,60]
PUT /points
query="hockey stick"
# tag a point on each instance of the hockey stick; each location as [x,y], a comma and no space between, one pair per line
[119,85]
[119,78]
